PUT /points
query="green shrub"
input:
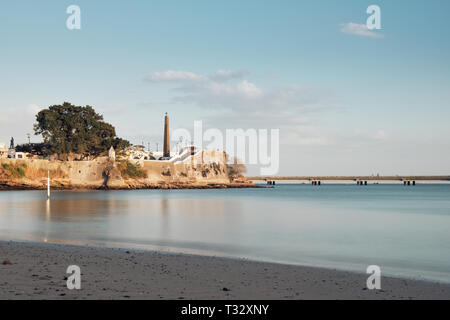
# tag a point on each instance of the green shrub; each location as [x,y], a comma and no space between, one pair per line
[131,170]
[15,171]
[20,171]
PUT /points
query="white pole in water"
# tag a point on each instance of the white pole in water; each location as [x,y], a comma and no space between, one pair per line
[48,184]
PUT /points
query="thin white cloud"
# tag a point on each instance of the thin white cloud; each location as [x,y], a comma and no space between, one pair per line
[174,75]
[248,89]
[246,97]
[225,93]
[187,76]
[380,135]
[226,75]
[359,29]
[231,101]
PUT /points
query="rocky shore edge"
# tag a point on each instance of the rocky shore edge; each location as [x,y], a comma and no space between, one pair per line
[64,184]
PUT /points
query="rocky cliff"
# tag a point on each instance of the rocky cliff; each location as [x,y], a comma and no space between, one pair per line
[205,169]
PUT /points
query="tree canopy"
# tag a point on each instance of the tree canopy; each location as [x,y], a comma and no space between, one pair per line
[39,149]
[69,129]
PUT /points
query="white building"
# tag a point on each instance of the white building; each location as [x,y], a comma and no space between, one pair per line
[3,151]
[159,154]
[138,153]
[112,154]
[20,155]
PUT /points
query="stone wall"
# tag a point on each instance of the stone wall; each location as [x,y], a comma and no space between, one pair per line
[203,168]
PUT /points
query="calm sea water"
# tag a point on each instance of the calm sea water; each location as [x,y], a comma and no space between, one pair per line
[404,230]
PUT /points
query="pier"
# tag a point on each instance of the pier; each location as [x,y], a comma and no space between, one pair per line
[359,180]
[407,182]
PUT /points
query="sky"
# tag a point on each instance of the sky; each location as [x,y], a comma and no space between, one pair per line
[346,100]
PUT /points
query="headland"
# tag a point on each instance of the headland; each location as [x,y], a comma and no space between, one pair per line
[200,170]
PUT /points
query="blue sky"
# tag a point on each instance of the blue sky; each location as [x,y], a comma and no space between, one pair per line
[345,103]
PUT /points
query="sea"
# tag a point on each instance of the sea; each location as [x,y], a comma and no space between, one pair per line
[405,230]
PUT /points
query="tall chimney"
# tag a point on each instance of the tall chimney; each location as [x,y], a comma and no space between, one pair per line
[166,150]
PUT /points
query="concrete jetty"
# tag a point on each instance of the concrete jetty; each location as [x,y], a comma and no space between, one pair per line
[359,180]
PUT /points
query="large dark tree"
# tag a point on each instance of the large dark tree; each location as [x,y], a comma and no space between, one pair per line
[73,129]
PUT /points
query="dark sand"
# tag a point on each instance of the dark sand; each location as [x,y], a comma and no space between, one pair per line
[38,271]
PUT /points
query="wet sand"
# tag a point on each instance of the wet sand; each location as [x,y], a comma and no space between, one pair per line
[30,270]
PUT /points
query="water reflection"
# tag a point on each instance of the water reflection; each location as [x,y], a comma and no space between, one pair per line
[106,218]
[47,210]
[165,218]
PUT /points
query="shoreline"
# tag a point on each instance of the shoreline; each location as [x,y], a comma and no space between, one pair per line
[18,186]
[37,271]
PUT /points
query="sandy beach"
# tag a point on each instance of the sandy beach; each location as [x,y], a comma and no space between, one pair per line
[30,270]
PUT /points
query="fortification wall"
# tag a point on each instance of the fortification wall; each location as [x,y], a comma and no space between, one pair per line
[203,168]
[87,174]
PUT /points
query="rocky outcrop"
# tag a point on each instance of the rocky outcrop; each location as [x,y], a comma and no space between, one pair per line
[204,170]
